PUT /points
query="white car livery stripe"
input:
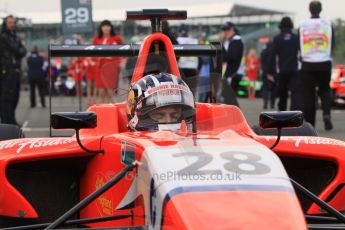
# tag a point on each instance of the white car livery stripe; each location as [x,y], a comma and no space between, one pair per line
[172,170]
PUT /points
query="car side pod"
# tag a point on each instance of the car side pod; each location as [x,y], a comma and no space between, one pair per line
[280,120]
[76,121]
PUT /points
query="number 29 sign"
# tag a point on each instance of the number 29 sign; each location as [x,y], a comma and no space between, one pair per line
[76,16]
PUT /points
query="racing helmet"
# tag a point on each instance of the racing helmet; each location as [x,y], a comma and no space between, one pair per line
[155,92]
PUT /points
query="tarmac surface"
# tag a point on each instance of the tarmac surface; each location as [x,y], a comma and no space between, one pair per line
[35,121]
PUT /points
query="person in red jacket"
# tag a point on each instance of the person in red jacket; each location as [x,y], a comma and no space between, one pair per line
[106,78]
[91,71]
[77,68]
[252,70]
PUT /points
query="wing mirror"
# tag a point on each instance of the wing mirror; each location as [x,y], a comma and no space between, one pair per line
[286,119]
[77,121]
[279,120]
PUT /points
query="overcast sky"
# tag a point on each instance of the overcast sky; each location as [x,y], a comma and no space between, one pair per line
[45,11]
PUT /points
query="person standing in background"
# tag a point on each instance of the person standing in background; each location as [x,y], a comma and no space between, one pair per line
[232,56]
[166,30]
[91,70]
[285,50]
[107,68]
[204,72]
[52,71]
[268,88]
[78,65]
[12,51]
[77,70]
[316,43]
[88,69]
[188,65]
[252,71]
[36,77]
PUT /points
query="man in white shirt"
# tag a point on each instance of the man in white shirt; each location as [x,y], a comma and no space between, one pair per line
[316,42]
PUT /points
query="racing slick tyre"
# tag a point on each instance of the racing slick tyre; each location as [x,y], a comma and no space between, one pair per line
[8,132]
[305,130]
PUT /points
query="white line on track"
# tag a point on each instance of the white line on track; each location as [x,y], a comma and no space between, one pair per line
[25,124]
[28,129]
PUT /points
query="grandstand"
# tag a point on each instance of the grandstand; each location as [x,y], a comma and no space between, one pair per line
[254,23]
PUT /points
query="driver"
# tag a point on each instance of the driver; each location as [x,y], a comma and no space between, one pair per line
[160,102]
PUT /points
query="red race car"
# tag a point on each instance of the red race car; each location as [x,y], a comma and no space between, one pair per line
[338,86]
[211,172]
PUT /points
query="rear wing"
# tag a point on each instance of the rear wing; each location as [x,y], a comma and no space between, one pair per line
[129,50]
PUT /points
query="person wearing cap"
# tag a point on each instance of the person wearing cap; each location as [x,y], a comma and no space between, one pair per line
[316,43]
[285,51]
[232,57]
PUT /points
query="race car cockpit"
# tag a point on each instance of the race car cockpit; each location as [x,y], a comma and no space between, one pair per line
[155,59]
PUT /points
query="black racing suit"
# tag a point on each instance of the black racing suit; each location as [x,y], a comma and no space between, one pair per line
[285,49]
[268,88]
[12,51]
[232,56]
[36,78]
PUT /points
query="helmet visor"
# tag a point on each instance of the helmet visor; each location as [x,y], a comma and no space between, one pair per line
[165,104]
[165,95]
[166,118]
